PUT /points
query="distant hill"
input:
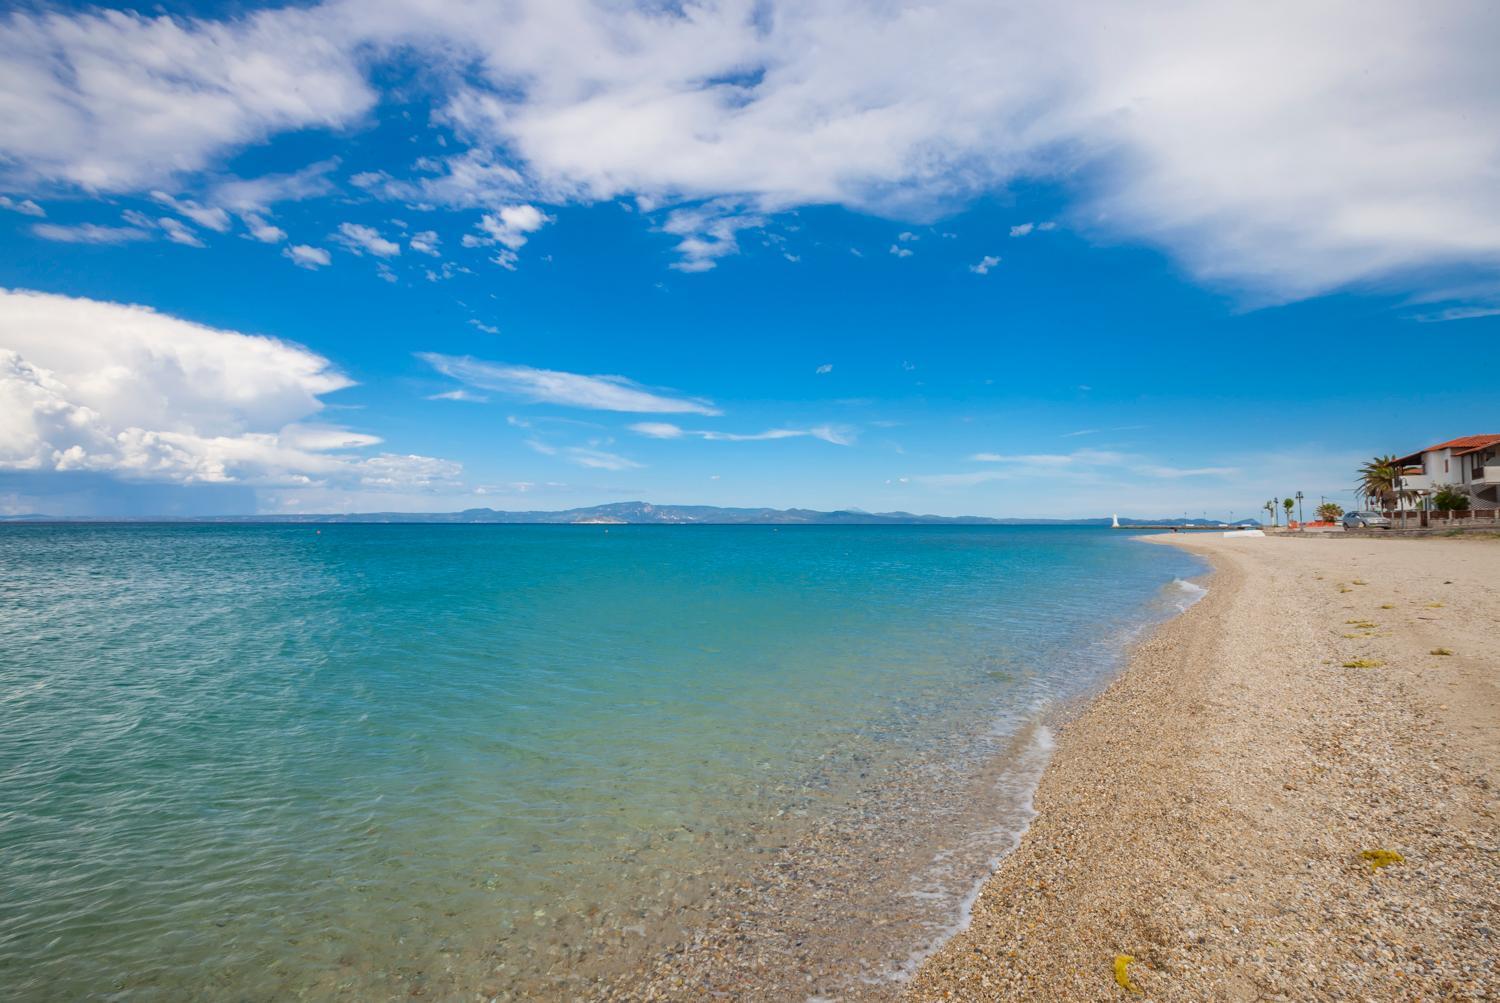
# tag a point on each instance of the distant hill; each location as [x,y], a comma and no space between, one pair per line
[644,513]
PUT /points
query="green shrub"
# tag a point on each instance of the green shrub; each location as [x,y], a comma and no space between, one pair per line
[1449,500]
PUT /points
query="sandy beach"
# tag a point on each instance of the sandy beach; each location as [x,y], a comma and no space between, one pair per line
[1288,795]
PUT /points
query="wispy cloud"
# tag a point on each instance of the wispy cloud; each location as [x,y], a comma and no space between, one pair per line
[1083,464]
[360,239]
[1457,313]
[596,459]
[179,232]
[459,395]
[985,264]
[90,233]
[208,217]
[25,207]
[549,386]
[824,369]
[665,430]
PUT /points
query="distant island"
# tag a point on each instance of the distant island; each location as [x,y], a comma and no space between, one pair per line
[639,513]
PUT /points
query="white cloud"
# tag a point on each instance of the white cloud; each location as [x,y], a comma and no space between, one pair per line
[596,459]
[481,325]
[666,430]
[1082,467]
[985,264]
[90,233]
[657,429]
[826,367]
[459,395]
[208,217]
[425,242]
[360,238]
[104,387]
[601,393]
[261,230]
[179,232]
[1364,157]
[26,207]
[305,256]
[116,101]
[513,225]
[708,232]
[1458,313]
[509,227]
[907,236]
[901,252]
[1022,229]
[259,194]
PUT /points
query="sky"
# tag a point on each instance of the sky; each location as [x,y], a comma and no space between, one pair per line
[953,257]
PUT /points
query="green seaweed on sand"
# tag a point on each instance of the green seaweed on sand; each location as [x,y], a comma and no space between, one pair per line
[1381,858]
[1363,663]
[1122,973]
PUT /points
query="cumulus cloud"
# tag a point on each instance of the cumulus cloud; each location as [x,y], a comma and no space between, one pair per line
[708,232]
[901,252]
[1366,156]
[305,256]
[124,390]
[600,393]
[985,264]
[508,227]
[425,242]
[117,101]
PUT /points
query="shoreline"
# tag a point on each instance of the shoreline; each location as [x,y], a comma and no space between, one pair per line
[1205,813]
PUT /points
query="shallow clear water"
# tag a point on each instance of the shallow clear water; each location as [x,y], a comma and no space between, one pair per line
[261,761]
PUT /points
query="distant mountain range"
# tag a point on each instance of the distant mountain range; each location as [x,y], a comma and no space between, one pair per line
[643,513]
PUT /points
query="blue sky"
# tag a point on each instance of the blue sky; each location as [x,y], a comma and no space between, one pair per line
[946,257]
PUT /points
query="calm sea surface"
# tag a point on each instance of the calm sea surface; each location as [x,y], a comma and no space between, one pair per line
[261,762]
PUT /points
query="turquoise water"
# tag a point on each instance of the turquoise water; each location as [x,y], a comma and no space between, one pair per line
[253,762]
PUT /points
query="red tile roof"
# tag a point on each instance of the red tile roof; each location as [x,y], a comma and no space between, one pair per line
[1474,443]
[1463,445]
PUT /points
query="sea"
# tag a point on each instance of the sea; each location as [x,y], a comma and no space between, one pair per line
[269,762]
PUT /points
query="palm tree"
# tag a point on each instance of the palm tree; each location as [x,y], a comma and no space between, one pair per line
[1380,480]
[1270,508]
[1288,504]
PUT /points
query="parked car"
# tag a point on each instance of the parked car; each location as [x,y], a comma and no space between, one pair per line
[1366,520]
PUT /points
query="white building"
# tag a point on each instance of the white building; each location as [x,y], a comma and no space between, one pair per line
[1469,465]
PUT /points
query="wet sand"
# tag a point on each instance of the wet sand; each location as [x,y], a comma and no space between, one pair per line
[1216,815]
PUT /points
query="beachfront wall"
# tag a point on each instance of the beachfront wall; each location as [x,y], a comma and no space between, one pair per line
[1473,516]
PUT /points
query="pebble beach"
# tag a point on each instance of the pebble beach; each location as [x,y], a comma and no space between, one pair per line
[1289,794]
